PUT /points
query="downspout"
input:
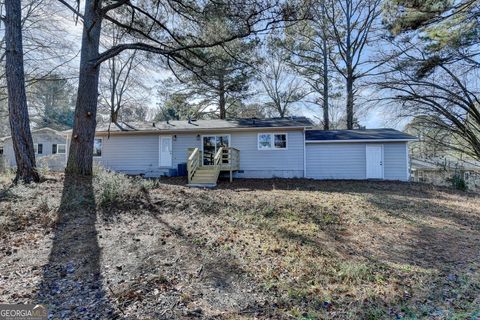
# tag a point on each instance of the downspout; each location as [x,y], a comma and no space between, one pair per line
[304,156]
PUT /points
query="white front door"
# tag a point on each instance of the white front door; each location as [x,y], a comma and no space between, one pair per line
[165,151]
[374,161]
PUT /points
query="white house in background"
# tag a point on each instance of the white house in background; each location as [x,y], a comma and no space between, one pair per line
[50,149]
[252,148]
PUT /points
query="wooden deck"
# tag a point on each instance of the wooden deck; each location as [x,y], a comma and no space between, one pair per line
[200,175]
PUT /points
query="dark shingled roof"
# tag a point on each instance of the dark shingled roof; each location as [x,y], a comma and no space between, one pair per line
[208,124]
[360,134]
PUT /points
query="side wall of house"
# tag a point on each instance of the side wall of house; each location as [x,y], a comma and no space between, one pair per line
[348,160]
[47,159]
[132,154]
[139,154]
[336,161]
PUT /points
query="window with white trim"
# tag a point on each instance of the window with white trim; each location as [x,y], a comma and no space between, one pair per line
[97,147]
[59,148]
[38,147]
[272,141]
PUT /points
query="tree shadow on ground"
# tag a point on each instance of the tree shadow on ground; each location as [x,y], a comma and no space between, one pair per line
[72,285]
[210,278]
[439,237]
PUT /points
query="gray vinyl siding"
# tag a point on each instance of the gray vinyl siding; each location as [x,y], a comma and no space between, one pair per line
[54,162]
[336,161]
[395,161]
[139,154]
[282,163]
[181,145]
[133,154]
[348,160]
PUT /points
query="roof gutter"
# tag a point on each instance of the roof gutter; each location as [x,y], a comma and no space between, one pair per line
[360,140]
[197,130]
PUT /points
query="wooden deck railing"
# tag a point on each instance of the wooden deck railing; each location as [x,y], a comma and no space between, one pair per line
[217,160]
[230,159]
[193,163]
[226,159]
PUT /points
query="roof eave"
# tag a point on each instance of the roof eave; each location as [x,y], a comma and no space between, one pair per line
[194,130]
[361,140]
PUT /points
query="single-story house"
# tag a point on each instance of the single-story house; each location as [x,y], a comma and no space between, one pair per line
[50,149]
[252,148]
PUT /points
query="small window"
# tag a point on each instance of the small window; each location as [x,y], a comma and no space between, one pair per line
[58,148]
[38,147]
[272,141]
[264,141]
[280,141]
[97,147]
[1,150]
[61,148]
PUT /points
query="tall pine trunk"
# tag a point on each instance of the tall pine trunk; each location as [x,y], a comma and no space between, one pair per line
[17,98]
[326,117]
[221,99]
[80,158]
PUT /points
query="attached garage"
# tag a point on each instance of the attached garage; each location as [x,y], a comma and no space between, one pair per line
[357,154]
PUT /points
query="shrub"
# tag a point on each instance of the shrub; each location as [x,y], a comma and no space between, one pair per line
[42,166]
[6,176]
[110,187]
[458,182]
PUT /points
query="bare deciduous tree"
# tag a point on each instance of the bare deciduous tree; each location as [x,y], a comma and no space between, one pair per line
[281,86]
[352,25]
[153,28]
[123,88]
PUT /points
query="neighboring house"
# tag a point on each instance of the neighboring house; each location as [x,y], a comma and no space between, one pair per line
[50,149]
[252,148]
[442,171]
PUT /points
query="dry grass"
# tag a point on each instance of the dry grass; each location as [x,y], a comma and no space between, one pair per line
[279,248]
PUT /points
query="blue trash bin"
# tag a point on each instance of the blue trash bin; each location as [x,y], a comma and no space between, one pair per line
[182,169]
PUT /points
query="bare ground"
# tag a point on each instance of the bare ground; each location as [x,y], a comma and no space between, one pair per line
[266,249]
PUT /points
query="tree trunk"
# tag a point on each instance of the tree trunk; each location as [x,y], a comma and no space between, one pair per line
[350,102]
[80,158]
[281,111]
[326,119]
[221,98]
[349,65]
[17,98]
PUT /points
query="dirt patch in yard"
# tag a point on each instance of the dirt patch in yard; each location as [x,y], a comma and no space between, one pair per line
[117,247]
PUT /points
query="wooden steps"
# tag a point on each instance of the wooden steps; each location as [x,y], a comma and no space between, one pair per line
[226,159]
[204,177]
